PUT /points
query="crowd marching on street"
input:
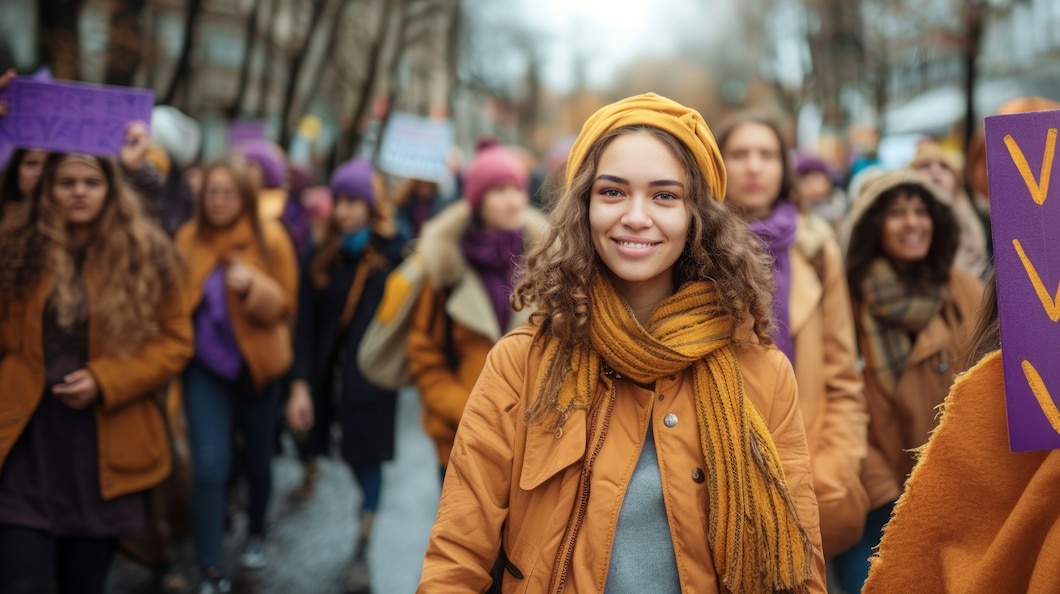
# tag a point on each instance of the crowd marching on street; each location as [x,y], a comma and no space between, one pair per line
[688,358]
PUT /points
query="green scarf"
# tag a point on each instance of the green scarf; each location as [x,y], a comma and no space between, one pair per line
[890,316]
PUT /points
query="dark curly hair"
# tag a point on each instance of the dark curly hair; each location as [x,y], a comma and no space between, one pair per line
[866,240]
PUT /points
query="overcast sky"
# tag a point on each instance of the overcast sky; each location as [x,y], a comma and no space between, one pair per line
[610,34]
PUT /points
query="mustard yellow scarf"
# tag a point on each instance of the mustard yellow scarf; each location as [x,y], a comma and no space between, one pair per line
[755,536]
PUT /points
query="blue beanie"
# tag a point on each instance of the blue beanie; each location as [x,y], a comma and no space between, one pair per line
[354,178]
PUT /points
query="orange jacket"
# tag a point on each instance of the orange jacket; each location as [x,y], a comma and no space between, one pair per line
[133,445]
[475,329]
[831,393]
[517,484]
[901,423]
[261,319]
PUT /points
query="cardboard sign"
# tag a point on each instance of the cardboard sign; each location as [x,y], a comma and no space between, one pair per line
[1025,215]
[416,147]
[69,117]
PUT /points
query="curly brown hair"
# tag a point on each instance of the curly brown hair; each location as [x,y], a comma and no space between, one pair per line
[720,247]
[866,240]
[133,263]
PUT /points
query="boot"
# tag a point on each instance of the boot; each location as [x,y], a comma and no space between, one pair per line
[358,580]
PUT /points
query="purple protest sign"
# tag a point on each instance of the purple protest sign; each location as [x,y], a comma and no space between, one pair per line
[241,131]
[1025,216]
[71,117]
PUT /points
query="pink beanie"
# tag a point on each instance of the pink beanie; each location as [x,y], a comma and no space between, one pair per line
[492,167]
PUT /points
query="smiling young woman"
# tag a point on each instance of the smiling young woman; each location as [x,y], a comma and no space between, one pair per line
[649,342]
[914,314]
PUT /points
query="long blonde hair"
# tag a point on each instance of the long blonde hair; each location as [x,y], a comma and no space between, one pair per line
[133,262]
[720,247]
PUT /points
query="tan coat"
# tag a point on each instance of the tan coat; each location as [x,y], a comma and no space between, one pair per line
[831,394]
[475,329]
[507,478]
[898,425]
[261,319]
[133,445]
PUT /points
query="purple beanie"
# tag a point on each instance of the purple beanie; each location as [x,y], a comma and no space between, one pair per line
[492,167]
[269,157]
[805,164]
[354,179]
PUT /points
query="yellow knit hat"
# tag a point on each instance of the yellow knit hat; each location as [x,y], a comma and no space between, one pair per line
[650,109]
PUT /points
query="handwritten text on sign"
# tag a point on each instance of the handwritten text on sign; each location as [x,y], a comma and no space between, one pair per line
[1025,215]
[71,117]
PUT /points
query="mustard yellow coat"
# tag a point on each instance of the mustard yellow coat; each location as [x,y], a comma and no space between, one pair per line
[133,445]
[512,483]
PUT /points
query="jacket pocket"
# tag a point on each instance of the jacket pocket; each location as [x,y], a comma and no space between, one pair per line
[12,328]
[133,438]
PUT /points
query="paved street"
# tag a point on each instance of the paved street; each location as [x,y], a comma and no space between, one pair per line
[310,543]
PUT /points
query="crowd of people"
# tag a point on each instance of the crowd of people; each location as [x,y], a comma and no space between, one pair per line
[700,363]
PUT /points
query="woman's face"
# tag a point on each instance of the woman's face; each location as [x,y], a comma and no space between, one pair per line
[815,186]
[755,167]
[638,212]
[350,214]
[502,207]
[940,175]
[29,171]
[221,203]
[80,190]
[907,229]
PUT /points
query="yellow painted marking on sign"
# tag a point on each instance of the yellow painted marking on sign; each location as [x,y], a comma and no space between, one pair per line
[1041,394]
[1038,188]
[1049,302]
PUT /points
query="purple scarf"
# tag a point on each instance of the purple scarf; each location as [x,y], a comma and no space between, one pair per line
[215,339]
[493,254]
[776,233]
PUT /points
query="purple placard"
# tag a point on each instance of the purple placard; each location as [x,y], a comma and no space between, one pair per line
[71,117]
[1024,178]
[240,131]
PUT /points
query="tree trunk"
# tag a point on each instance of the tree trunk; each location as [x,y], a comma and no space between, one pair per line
[249,40]
[973,40]
[295,68]
[393,69]
[364,97]
[265,85]
[183,70]
[58,39]
[453,39]
[125,42]
[329,50]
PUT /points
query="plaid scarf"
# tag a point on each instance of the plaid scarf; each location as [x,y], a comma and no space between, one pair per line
[891,314]
[754,533]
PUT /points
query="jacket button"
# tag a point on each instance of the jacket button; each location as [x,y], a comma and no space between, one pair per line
[661,396]
[698,476]
[670,420]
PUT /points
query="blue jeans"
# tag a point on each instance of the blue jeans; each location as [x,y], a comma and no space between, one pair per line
[852,566]
[210,404]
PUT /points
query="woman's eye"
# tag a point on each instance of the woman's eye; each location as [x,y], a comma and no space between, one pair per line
[610,192]
[666,196]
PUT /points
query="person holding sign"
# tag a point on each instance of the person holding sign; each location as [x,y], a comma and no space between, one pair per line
[642,433]
[243,288]
[914,313]
[814,322]
[92,324]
